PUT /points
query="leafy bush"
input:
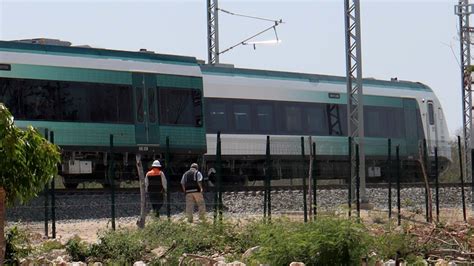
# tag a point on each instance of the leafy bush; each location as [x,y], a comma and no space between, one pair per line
[328,241]
[123,247]
[77,249]
[48,246]
[17,245]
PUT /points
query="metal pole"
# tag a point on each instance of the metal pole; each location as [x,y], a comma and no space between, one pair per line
[268,179]
[397,152]
[305,206]
[167,173]
[389,176]
[314,181]
[212,32]
[437,183]
[425,162]
[112,180]
[357,181]
[349,178]
[46,200]
[219,177]
[53,196]
[464,10]
[462,180]
[355,103]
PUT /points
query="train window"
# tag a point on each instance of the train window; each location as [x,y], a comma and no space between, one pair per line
[139,104]
[179,107]
[30,99]
[293,119]
[217,119]
[264,118]
[431,113]
[241,113]
[315,120]
[151,105]
[197,103]
[374,122]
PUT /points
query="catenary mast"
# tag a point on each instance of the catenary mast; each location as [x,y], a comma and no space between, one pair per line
[355,103]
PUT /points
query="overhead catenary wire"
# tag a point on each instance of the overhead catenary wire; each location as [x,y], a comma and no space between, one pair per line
[246,16]
[244,42]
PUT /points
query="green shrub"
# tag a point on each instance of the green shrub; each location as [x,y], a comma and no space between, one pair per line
[328,241]
[48,246]
[77,249]
[122,247]
[17,245]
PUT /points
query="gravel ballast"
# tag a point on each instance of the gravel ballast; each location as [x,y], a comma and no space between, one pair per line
[81,206]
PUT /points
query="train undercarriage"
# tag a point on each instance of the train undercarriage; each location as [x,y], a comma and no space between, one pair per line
[82,166]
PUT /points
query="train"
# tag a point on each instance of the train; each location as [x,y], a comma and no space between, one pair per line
[159,105]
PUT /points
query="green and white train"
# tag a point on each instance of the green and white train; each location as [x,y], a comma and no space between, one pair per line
[84,95]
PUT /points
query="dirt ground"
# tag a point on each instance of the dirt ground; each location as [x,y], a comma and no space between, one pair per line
[88,230]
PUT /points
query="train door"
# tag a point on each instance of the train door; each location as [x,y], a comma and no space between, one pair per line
[431,126]
[411,126]
[146,111]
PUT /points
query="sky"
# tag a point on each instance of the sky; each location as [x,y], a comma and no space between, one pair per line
[410,40]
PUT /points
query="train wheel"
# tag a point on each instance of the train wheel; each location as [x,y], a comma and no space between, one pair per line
[70,185]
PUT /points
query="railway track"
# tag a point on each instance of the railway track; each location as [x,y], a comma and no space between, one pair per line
[240,188]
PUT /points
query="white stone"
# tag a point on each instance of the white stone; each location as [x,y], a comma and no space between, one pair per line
[389,263]
[294,263]
[139,263]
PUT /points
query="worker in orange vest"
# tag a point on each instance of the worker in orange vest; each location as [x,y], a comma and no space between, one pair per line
[156,186]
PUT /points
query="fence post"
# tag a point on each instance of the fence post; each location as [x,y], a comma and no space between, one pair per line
[389,176]
[46,199]
[425,162]
[397,152]
[436,183]
[167,173]
[305,205]
[268,179]
[218,194]
[314,181]
[112,179]
[472,179]
[357,181]
[53,197]
[349,179]
[461,174]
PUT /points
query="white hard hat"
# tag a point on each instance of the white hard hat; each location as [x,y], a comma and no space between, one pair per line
[156,163]
[194,165]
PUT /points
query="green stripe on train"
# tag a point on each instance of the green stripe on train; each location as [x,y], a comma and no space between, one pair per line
[85,134]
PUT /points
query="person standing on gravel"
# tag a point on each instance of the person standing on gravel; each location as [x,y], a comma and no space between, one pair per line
[155,186]
[191,182]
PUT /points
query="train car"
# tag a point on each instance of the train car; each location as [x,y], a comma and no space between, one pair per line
[84,95]
[246,105]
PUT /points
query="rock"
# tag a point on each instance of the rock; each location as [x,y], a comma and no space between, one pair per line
[55,253]
[389,263]
[159,251]
[139,263]
[236,263]
[219,258]
[294,263]
[26,262]
[79,263]
[441,262]
[249,252]
[220,263]
[97,264]
[60,260]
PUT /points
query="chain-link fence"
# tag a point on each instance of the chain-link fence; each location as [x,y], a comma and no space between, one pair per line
[298,177]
